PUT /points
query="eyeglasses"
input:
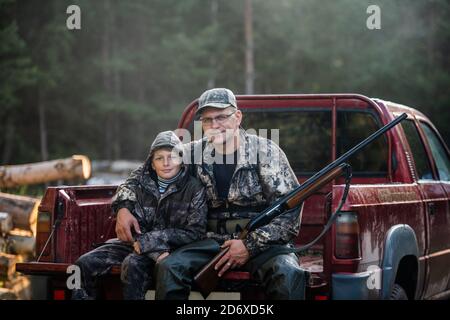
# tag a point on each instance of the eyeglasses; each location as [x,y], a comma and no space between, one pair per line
[220,119]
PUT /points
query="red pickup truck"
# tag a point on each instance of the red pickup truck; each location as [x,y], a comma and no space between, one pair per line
[392,240]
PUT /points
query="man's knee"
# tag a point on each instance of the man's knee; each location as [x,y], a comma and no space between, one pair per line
[172,279]
[284,263]
[86,261]
[285,267]
[284,278]
[168,265]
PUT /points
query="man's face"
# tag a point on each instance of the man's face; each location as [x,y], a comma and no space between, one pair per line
[220,125]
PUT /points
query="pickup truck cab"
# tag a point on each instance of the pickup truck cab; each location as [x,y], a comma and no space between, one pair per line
[391,240]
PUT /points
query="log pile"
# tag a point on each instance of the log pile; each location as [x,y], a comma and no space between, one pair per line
[18,218]
[22,210]
[18,215]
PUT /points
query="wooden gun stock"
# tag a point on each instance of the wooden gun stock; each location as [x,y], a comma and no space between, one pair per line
[206,279]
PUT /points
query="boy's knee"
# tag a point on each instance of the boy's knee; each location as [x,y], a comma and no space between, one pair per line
[85,260]
[127,265]
[164,265]
[134,264]
[131,262]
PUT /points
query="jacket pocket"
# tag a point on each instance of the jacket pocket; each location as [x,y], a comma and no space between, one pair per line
[247,188]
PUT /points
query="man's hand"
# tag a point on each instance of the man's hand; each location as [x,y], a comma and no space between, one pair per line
[125,220]
[162,256]
[236,256]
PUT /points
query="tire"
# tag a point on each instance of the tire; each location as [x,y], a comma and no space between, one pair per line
[398,293]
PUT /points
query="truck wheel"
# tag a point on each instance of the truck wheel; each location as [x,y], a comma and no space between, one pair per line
[398,293]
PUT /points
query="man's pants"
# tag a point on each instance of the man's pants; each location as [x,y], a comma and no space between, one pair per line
[281,276]
[135,274]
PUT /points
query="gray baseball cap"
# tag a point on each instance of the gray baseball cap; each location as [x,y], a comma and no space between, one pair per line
[165,139]
[217,98]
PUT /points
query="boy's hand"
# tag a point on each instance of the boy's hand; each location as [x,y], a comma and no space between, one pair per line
[137,247]
[162,256]
[125,220]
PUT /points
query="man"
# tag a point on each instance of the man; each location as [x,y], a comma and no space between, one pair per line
[242,174]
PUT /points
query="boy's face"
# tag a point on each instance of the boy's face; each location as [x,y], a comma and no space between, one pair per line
[165,163]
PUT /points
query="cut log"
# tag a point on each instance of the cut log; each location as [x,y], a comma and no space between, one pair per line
[76,167]
[23,210]
[20,287]
[7,265]
[6,223]
[7,294]
[21,242]
[3,244]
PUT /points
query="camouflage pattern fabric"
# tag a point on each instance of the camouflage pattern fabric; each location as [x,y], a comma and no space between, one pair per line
[169,220]
[136,270]
[263,175]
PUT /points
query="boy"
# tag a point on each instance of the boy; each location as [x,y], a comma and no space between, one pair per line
[171,211]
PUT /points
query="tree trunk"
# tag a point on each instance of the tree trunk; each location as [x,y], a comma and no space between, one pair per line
[115,125]
[213,55]
[9,137]
[117,91]
[106,75]
[42,127]
[249,50]
[23,210]
[76,167]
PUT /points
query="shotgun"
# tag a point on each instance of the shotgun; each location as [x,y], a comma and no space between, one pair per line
[207,278]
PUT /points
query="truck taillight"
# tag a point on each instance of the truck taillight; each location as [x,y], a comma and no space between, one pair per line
[347,236]
[44,226]
[59,295]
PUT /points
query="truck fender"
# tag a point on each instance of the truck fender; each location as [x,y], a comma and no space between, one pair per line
[400,241]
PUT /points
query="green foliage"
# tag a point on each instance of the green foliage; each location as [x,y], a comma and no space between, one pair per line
[16,70]
[134,65]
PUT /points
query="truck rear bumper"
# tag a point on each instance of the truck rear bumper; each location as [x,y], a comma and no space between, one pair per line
[42,268]
[50,268]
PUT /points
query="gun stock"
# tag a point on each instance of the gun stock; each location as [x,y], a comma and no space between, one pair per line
[207,278]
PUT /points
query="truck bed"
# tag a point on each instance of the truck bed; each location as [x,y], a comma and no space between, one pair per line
[85,220]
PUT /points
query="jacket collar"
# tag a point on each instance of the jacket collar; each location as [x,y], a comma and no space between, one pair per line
[246,157]
[149,181]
